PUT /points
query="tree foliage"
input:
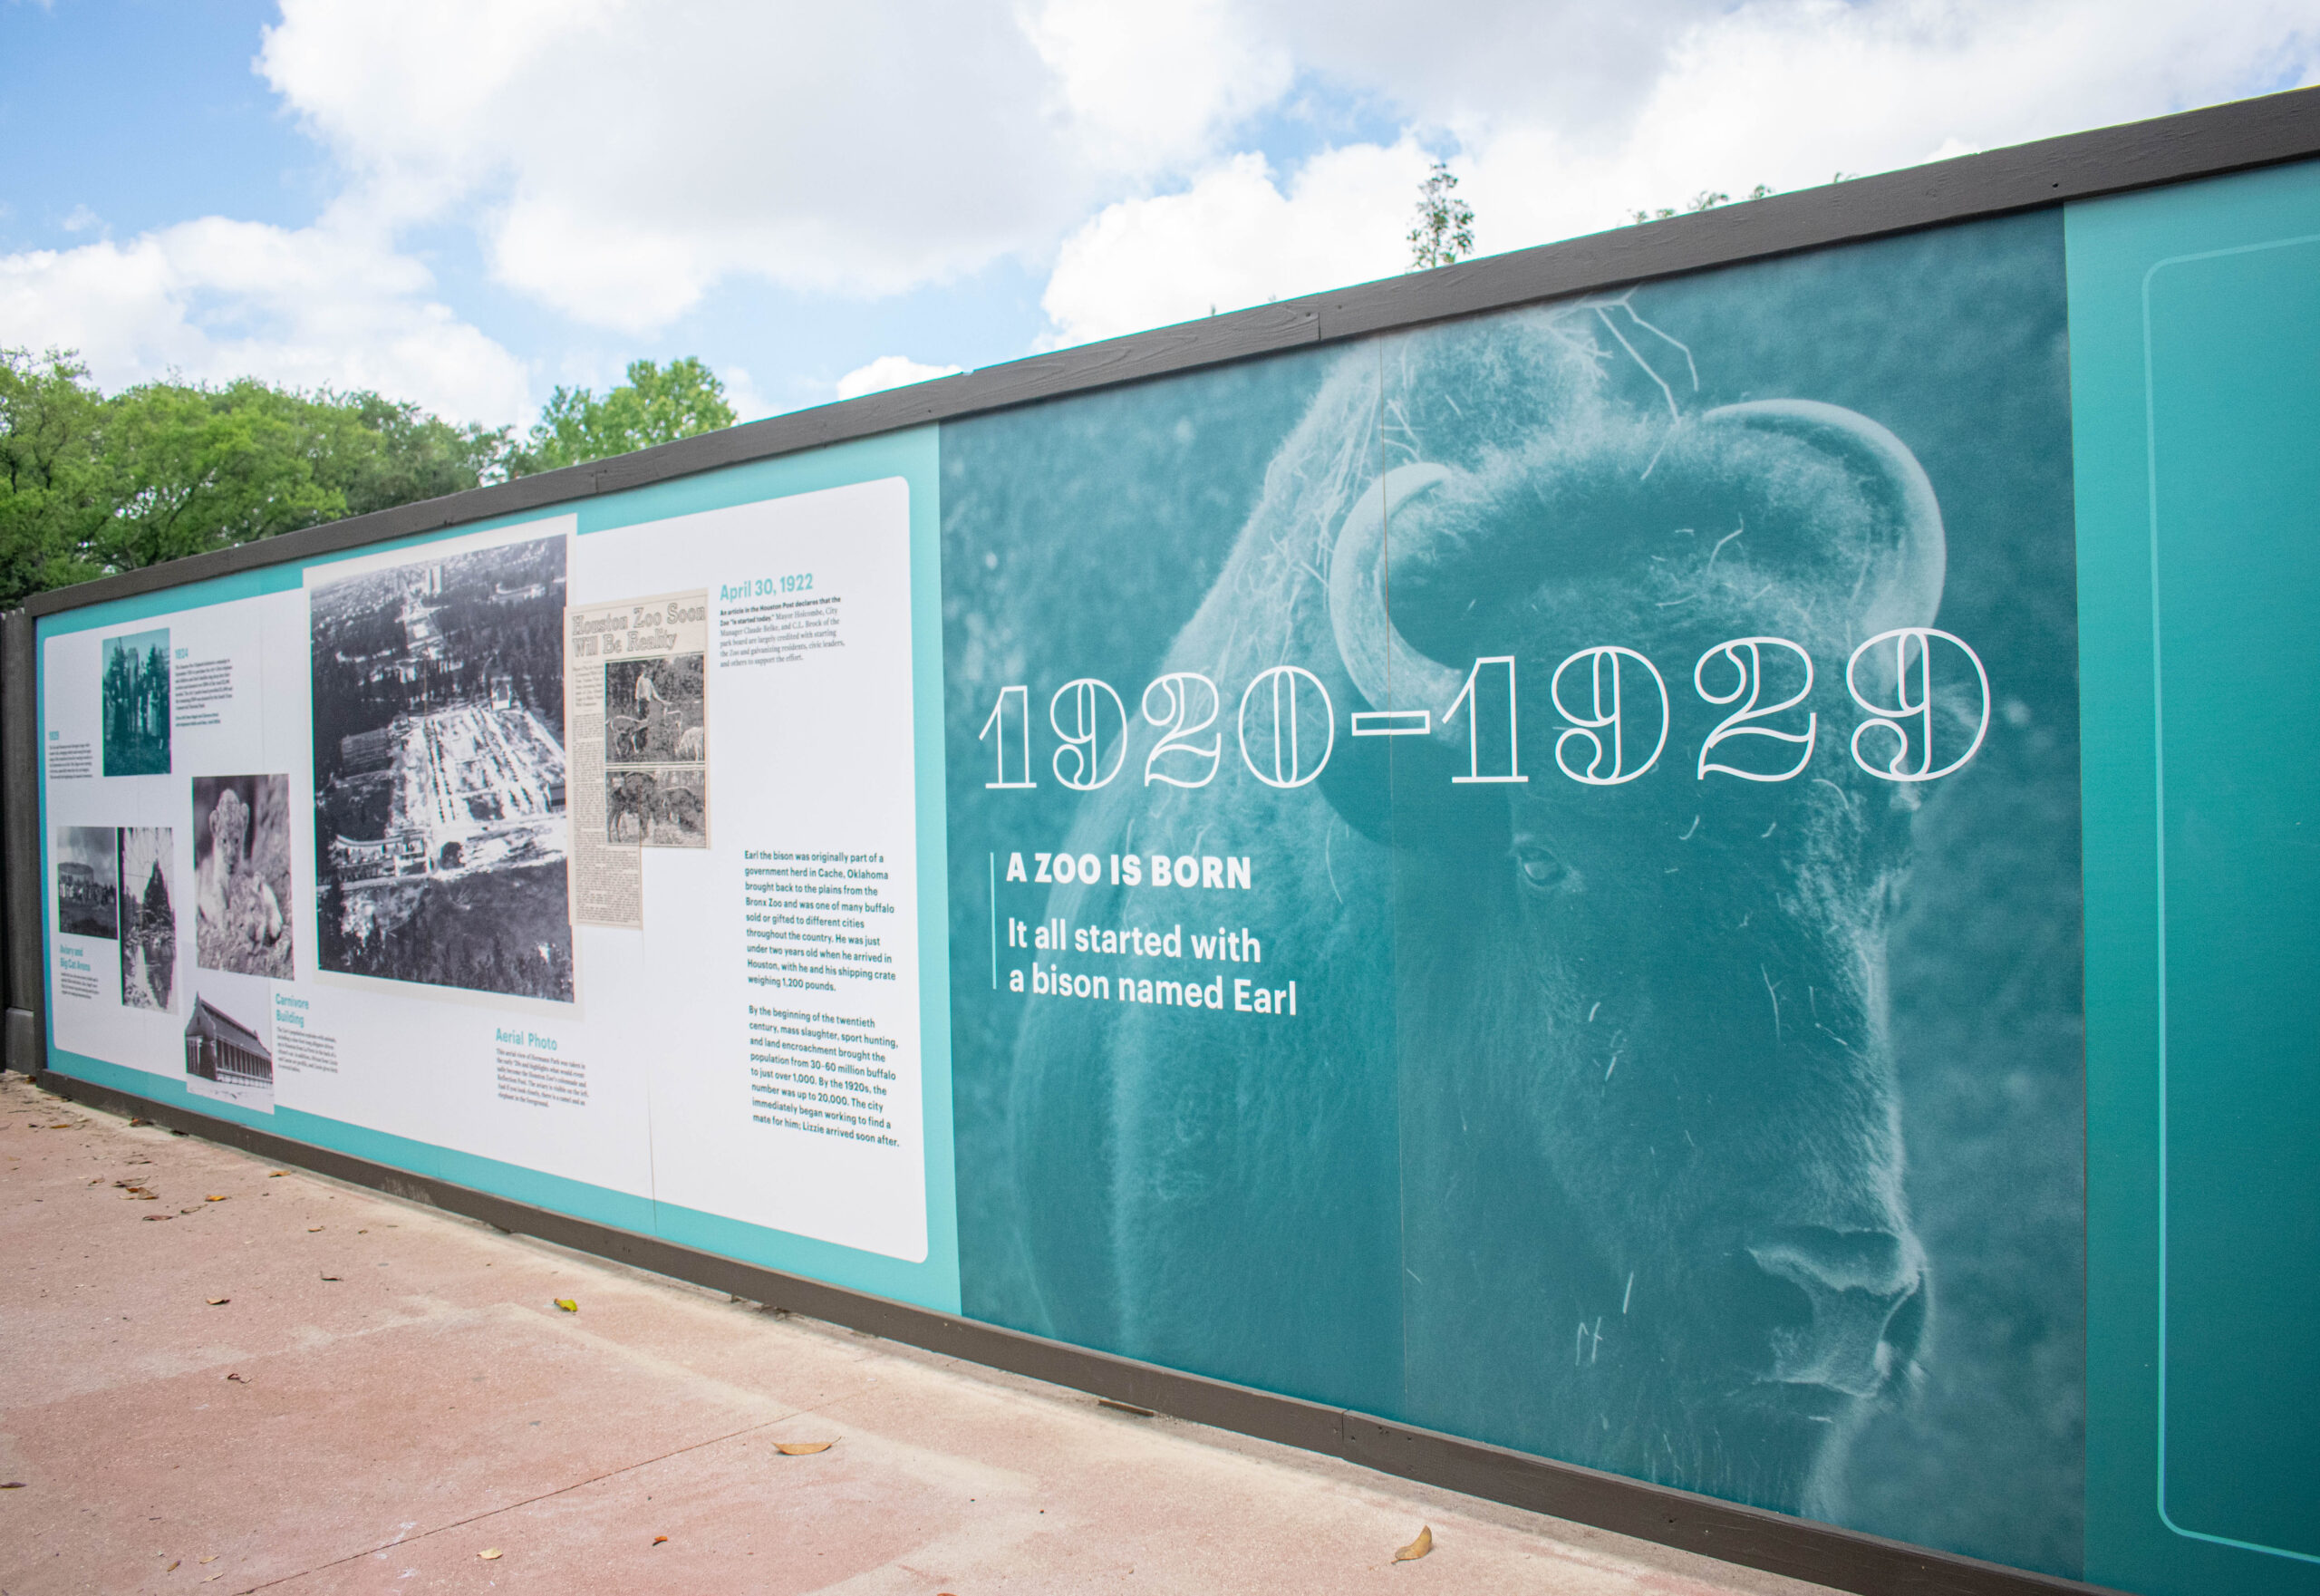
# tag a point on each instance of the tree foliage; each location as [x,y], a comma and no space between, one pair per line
[1446,224]
[91,485]
[657,404]
[1705,199]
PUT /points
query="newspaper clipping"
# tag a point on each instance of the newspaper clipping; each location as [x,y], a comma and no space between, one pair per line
[637,672]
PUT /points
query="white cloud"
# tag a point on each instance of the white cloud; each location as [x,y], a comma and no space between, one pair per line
[889,371]
[619,160]
[1151,84]
[623,157]
[80,219]
[213,300]
[1789,92]
[1564,120]
[742,393]
[1235,238]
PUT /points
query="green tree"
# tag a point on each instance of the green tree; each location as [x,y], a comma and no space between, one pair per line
[1705,199]
[54,484]
[415,456]
[91,485]
[657,404]
[1446,224]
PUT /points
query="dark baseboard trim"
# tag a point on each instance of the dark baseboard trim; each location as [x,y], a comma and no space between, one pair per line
[1775,1542]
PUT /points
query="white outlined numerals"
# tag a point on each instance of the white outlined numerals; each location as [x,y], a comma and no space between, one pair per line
[1905,657]
[1098,720]
[1607,672]
[1181,718]
[1294,706]
[1910,680]
[1746,656]
[1022,698]
[1473,703]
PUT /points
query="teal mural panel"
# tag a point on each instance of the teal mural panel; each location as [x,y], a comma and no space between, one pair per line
[2194,321]
[1404,958]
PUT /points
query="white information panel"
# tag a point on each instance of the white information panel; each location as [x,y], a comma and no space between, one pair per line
[336,849]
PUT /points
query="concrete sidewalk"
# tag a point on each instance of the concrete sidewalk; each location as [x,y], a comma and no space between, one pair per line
[223,1378]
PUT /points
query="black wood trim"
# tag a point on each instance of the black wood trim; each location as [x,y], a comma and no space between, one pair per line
[23,982]
[2194,144]
[1799,1548]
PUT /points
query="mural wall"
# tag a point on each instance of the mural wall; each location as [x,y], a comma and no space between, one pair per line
[1536,881]
[1536,876]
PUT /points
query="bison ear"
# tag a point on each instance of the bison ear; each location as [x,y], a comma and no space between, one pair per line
[1909,561]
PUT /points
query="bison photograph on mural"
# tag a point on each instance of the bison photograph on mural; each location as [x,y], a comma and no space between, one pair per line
[1473,875]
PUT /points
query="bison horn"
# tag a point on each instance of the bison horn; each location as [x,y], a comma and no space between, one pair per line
[1899,583]
[1903,586]
[1376,658]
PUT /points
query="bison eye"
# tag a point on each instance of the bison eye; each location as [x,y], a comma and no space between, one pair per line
[1540,869]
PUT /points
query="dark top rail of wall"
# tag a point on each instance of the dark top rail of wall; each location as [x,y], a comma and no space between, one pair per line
[2079,166]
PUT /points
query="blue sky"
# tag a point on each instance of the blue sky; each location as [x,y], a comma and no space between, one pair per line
[464,204]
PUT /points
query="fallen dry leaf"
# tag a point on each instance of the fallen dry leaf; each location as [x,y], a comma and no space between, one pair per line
[313,1228]
[173,1565]
[1417,1548]
[567,1304]
[64,1127]
[207,1561]
[658,1538]
[490,1556]
[216,1301]
[12,1484]
[802,1448]
[238,1379]
[213,1578]
[152,1217]
[214,1197]
[276,1174]
[134,1123]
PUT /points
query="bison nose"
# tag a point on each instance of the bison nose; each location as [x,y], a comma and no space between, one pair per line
[1866,1289]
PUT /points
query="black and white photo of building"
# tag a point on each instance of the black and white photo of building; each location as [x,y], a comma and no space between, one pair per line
[87,882]
[222,1049]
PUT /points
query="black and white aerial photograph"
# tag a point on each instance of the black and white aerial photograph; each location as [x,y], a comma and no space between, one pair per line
[88,898]
[135,690]
[147,858]
[439,830]
[241,874]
